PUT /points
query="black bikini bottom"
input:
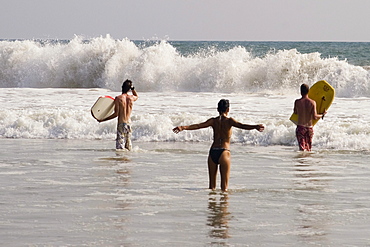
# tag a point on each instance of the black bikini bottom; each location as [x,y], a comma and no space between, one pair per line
[216,153]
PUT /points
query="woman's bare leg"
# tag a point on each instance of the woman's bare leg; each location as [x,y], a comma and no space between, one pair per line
[225,163]
[212,172]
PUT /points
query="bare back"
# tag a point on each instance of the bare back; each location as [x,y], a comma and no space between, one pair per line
[306,110]
[221,132]
[123,107]
[221,126]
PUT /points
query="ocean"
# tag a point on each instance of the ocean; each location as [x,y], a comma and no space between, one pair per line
[62,183]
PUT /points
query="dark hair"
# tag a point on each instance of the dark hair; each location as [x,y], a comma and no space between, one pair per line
[223,105]
[126,86]
[304,89]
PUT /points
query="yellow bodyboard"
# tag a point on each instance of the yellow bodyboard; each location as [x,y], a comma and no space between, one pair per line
[321,92]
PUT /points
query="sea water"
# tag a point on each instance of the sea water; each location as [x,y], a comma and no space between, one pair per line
[62,183]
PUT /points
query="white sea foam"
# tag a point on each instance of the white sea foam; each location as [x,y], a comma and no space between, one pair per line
[105,62]
[65,114]
[175,89]
[80,192]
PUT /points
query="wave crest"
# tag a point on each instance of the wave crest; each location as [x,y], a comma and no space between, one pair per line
[104,62]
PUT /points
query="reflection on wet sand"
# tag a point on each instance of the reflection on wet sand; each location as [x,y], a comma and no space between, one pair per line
[311,183]
[218,215]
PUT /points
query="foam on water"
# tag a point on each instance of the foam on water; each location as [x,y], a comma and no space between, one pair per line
[176,87]
[65,114]
[61,187]
[158,66]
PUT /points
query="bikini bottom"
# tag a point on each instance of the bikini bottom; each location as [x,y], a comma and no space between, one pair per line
[216,153]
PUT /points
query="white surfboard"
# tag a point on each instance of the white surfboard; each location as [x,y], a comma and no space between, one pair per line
[103,107]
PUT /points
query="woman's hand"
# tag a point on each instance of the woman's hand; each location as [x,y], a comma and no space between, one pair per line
[178,129]
[260,127]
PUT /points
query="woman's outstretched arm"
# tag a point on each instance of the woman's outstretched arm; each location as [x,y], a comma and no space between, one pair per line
[239,125]
[205,124]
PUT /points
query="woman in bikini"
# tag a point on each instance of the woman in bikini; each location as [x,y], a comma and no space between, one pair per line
[219,154]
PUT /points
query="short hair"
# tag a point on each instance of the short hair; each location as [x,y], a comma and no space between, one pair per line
[126,86]
[223,104]
[304,89]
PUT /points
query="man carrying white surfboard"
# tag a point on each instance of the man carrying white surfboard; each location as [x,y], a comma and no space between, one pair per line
[305,108]
[122,110]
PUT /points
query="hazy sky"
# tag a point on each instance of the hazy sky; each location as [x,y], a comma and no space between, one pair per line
[250,20]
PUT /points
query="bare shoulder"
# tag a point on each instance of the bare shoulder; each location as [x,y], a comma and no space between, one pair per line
[205,124]
[211,120]
[312,101]
[232,121]
[119,96]
[132,97]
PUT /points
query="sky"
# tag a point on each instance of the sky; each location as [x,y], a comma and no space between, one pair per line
[218,20]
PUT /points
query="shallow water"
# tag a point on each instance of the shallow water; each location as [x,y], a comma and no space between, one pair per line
[84,193]
[29,113]
[63,184]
